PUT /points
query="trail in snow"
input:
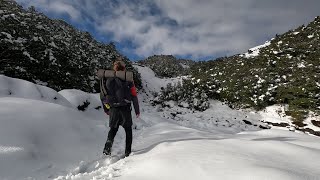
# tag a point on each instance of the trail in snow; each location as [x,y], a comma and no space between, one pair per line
[165,150]
[207,146]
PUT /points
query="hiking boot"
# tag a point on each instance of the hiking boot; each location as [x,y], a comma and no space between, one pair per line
[107,152]
[107,148]
[127,153]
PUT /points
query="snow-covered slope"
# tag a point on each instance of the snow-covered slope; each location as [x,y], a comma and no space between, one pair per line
[253,52]
[12,87]
[276,114]
[151,83]
[44,140]
[39,139]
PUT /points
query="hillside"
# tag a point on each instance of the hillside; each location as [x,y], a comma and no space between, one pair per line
[50,52]
[167,65]
[282,71]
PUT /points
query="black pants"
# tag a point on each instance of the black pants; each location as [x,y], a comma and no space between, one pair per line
[112,133]
[120,116]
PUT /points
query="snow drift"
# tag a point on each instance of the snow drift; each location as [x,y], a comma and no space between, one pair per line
[12,87]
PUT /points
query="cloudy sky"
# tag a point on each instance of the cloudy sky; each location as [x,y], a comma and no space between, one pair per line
[195,29]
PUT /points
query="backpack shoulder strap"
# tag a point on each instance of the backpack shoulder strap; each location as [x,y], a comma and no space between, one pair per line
[103,90]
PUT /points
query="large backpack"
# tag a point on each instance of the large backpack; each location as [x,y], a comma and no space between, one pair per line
[115,87]
[118,92]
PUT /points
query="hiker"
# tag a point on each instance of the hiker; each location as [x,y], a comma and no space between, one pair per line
[117,104]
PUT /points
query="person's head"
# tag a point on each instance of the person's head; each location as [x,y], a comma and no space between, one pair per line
[119,65]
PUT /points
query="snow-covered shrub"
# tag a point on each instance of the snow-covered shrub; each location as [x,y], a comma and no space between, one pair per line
[167,66]
[185,94]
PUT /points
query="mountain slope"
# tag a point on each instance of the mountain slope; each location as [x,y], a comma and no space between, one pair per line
[167,65]
[50,52]
[283,71]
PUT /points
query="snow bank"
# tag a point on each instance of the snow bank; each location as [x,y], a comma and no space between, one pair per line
[40,139]
[12,87]
[275,114]
[218,118]
[308,121]
[277,155]
[78,98]
[151,83]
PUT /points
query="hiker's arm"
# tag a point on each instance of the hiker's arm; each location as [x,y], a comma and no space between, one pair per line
[135,100]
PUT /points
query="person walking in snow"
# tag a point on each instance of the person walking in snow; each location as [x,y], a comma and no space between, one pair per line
[117,104]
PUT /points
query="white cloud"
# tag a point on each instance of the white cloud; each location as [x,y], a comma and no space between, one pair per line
[194,27]
[56,6]
[61,7]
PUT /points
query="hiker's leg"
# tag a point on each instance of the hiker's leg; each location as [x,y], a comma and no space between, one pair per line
[112,133]
[128,140]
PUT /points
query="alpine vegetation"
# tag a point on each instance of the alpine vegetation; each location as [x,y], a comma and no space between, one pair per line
[168,66]
[51,52]
[284,70]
